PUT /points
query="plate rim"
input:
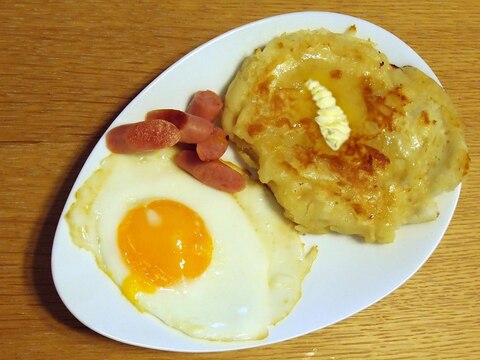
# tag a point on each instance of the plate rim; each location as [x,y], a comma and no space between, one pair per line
[83,173]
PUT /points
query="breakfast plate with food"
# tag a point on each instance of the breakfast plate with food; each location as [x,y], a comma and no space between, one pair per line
[277,179]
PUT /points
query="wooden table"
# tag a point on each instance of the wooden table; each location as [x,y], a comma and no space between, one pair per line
[68,68]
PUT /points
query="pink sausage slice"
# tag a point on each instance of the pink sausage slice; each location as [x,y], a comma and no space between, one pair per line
[205,104]
[213,173]
[142,136]
[213,147]
[193,129]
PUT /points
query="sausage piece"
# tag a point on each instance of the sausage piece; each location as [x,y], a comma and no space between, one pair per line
[213,147]
[205,104]
[213,173]
[142,136]
[193,129]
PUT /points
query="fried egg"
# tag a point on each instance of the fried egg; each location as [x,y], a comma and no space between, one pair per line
[213,265]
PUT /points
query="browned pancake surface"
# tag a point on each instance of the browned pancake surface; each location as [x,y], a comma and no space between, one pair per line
[406,144]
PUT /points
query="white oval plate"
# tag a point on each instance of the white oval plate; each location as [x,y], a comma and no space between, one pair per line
[347,276]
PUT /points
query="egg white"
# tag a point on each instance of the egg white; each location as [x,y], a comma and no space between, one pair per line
[258,261]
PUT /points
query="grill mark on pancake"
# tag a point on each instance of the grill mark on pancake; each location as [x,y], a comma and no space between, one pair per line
[358,170]
[278,102]
[255,129]
[367,158]
[283,121]
[305,156]
[357,208]
[264,86]
[425,119]
[358,163]
[336,74]
[382,110]
[283,100]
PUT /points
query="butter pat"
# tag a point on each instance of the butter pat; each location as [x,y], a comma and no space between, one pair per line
[330,117]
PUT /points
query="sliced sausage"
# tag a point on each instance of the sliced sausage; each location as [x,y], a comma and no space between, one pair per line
[205,104]
[213,173]
[142,136]
[213,147]
[193,129]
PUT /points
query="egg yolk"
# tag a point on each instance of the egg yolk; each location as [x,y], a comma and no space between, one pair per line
[162,242]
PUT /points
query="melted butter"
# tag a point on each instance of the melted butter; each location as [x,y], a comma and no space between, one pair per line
[346,88]
[356,161]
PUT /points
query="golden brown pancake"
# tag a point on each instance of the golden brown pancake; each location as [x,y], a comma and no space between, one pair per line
[406,144]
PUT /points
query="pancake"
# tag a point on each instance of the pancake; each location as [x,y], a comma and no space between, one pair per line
[405,147]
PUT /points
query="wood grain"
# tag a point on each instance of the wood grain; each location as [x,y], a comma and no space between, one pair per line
[68,68]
